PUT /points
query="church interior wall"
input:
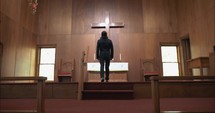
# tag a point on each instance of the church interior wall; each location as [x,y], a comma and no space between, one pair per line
[196,19]
[67,24]
[146,25]
[18,37]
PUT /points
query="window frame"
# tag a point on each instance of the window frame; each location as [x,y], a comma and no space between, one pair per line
[39,47]
[178,56]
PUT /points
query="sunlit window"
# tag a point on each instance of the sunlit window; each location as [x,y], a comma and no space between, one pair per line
[170,60]
[47,63]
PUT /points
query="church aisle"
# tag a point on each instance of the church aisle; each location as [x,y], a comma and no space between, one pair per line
[99,106]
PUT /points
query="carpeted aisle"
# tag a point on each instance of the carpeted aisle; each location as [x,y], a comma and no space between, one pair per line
[112,106]
[188,104]
[99,106]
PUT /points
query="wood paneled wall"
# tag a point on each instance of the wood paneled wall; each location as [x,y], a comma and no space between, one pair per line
[147,24]
[75,16]
[1,45]
[134,47]
[1,54]
[18,38]
[70,47]
[67,24]
[160,16]
[196,19]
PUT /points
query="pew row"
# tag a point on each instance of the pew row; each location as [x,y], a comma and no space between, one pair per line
[156,93]
[40,93]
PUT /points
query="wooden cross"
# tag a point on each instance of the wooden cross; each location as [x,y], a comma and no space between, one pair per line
[107,23]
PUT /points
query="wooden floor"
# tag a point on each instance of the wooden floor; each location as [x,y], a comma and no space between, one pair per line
[196,105]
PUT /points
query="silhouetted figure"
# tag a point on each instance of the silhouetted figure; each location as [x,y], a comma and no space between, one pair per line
[104,53]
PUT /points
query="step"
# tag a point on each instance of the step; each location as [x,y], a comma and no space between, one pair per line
[183,112]
[107,94]
[107,90]
[108,86]
[18,111]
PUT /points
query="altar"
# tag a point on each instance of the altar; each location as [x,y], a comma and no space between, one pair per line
[118,72]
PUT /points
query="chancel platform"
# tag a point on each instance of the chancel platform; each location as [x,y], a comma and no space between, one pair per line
[118,72]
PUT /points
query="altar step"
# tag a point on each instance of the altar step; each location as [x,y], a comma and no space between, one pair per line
[107,91]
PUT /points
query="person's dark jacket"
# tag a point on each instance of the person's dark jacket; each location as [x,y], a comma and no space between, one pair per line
[104,48]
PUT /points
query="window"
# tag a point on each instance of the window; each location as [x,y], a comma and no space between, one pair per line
[170,63]
[47,62]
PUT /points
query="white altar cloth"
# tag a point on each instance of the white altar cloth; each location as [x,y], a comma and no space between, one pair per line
[114,66]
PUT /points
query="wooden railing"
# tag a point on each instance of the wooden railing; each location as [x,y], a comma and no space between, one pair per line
[82,63]
[155,86]
[40,94]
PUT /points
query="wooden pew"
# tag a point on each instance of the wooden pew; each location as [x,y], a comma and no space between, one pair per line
[155,89]
[40,94]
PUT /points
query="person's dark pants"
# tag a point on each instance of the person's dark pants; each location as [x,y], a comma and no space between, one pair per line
[107,64]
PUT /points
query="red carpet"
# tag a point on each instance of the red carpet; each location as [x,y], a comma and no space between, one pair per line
[111,106]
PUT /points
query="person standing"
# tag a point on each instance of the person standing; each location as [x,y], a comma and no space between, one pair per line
[104,53]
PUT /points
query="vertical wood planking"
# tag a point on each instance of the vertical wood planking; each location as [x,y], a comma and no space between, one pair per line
[196,18]
[18,37]
[67,24]
[133,42]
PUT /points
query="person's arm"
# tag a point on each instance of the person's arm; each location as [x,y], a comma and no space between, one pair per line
[112,50]
[97,50]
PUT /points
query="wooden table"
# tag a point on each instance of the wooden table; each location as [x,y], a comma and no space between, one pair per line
[200,62]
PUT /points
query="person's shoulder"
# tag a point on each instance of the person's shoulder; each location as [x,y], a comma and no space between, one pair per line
[110,40]
[99,41]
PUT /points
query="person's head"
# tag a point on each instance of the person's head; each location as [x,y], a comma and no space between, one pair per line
[104,34]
